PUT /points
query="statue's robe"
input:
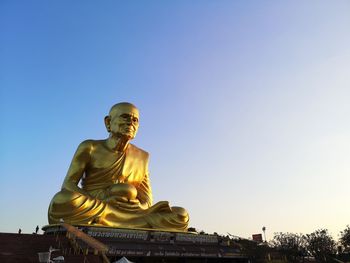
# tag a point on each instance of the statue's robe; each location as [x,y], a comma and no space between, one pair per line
[98,208]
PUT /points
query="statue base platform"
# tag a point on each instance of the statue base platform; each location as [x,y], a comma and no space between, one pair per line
[140,245]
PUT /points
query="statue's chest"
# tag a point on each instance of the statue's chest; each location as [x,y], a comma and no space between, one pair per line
[118,167]
[102,159]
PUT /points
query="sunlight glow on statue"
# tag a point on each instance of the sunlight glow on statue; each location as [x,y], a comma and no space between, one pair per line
[115,190]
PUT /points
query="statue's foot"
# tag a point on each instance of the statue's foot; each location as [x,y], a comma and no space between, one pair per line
[181,213]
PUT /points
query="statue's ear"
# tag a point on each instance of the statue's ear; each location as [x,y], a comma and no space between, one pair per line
[108,123]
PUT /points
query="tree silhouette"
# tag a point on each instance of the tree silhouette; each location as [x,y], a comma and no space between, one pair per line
[320,245]
[290,245]
[345,238]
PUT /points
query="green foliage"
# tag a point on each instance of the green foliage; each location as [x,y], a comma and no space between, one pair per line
[345,238]
[290,245]
[255,251]
[320,245]
[295,247]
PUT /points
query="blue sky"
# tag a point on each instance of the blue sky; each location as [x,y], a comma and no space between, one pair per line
[244,105]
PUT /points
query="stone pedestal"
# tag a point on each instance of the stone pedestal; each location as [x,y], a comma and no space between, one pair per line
[150,246]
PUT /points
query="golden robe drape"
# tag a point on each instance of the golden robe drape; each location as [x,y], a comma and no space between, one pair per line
[130,167]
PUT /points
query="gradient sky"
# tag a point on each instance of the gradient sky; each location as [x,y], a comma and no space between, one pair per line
[245,105]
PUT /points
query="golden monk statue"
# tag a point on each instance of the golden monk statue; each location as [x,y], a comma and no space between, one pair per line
[115,188]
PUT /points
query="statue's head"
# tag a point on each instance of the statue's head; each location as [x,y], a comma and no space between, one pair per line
[123,120]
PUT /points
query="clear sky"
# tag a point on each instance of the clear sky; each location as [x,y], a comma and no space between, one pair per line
[245,105]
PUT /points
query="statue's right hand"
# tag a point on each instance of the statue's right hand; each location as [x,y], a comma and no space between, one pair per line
[116,200]
[124,204]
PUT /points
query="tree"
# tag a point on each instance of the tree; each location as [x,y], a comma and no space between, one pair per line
[345,238]
[192,229]
[255,251]
[290,245]
[320,245]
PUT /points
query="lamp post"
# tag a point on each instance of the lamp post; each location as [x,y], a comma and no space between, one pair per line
[264,229]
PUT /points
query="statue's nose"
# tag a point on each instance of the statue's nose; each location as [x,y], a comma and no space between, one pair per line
[128,120]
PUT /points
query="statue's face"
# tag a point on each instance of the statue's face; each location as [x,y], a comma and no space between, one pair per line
[124,121]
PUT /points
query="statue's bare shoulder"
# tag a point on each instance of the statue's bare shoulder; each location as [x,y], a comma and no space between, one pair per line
[85,151]
[95,154]
[89,146]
